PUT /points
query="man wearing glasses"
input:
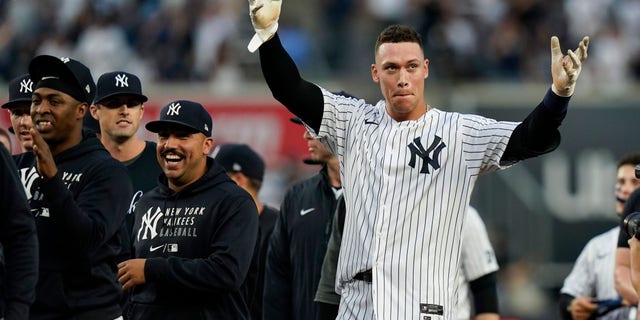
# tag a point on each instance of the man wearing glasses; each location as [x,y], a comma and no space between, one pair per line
[118,107]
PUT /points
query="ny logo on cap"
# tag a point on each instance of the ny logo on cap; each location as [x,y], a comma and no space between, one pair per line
[65,59]
[26,86]
[122,80]
[206,127]
[174,109]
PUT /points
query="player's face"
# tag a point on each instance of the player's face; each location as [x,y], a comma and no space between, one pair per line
[318,151]
[21,123]
[57,117]
[400,69]
[626,183]
[182,155]
[119,117]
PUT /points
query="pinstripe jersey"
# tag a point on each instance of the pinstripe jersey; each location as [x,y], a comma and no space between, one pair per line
[409,184]
[592,274]
[477,260]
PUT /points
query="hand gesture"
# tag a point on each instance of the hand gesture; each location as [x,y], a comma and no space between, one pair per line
[566,69]
[264,17]
[581,308]
[131,273]
[45,164]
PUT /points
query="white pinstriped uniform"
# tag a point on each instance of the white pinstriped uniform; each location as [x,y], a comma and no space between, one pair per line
[405,225]
[477,259]
[592,274]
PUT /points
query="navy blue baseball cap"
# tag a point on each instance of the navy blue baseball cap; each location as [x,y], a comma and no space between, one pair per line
[20,90]
[236,157]
[188,114]
[118,82]
[63,74]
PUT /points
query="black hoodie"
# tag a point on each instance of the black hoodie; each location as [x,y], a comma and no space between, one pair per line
[19,244]
[78,215]
[198,243]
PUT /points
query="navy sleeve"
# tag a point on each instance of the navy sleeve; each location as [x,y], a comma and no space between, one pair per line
[563,305]
[538,133]
[485,293]
[98,211]
[19,240]
[302,98]
[277,300]
[632,205]
[226,268]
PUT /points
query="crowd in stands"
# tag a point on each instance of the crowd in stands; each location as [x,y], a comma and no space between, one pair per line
[201,40]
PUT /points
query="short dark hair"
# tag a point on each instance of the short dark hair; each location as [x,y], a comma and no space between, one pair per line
[629,159]
[398,33]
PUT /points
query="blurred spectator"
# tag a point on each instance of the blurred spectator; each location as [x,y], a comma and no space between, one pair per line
[186,40]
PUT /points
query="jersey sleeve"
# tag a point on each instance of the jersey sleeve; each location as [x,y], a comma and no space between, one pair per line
[339,111]
[485,141]
[478,257]
[580,281]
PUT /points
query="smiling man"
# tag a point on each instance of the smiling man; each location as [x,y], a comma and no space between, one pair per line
[195,233]
[79,195]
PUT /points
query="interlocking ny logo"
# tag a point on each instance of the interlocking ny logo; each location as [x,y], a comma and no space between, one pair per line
[417,149]
[174,109]
[26,86]
[122,81]
[65,59]
[149,223]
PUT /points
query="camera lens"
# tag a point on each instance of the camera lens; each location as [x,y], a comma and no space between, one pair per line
[631,224]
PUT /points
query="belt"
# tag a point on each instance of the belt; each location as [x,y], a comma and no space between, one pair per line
[365,276]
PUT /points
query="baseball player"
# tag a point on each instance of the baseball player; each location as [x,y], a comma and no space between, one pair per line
[118,108]
[590,285]
[19,106]
[246,168]
[478,266]
[79,195]
[408,168]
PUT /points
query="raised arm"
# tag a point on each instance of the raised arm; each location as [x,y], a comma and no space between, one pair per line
[538,133]
[302,98]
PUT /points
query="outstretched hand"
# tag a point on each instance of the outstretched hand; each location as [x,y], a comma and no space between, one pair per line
[264,17]
[566,69]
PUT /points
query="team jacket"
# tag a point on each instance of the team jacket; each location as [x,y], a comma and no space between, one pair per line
[19,250]
[78,215]
[198,243]
[297,248]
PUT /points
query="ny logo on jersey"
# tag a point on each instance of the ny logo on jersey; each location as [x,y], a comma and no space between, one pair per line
[26,86]
[122,81]
[174,109]
[149,223]
[417,149]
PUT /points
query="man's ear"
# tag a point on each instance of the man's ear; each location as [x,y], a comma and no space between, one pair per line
[94,111]
[207,146]
[82,109]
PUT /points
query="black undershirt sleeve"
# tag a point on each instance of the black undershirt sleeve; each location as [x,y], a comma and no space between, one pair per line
[538,133]
[485,294]
[563,304]
[302,98]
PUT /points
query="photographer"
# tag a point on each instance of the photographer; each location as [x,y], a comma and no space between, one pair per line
[627,272]
[589,291]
